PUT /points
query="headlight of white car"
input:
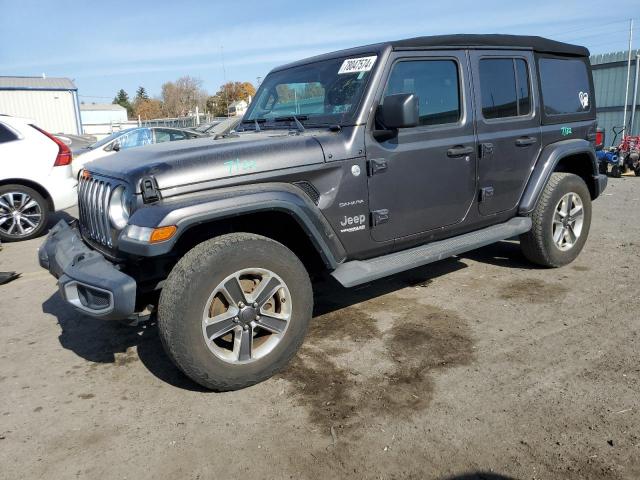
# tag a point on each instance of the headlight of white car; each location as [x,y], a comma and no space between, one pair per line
[118,209]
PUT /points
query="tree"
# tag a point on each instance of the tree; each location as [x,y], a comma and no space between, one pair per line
[148,109]
[141,94]
[182,96]
[122,99]
[227,94]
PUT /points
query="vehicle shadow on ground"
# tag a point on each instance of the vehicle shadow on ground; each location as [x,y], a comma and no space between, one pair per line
[330,296]
[479,476]
[506,254]
[108,342]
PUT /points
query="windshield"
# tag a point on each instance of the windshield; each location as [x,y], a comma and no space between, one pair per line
[324,92]
[105,140]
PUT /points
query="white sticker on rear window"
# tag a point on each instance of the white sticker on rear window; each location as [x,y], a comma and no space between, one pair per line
[355,65]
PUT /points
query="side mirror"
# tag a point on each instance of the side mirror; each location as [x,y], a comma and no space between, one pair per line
[116,146]
[400,111]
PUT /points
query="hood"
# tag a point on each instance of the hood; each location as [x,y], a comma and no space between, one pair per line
[178,163]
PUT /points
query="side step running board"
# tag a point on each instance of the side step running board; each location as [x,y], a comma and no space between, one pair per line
[357,272]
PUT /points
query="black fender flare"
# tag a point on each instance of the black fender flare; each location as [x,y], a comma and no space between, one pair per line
[546,164]
[219,204]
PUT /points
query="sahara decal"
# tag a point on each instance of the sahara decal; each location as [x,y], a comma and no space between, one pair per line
[352,203]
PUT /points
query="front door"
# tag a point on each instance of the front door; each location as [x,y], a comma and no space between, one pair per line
[508,126]
[424,178]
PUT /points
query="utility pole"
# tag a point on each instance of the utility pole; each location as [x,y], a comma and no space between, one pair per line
[224,78]
[635,94]
[626,90]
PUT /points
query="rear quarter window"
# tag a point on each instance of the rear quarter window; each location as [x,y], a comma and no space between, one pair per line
[566,88]
[6,135]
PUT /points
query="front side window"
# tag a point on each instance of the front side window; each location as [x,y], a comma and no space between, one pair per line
[435,83]
[565,86]
[505,88]
[324,92]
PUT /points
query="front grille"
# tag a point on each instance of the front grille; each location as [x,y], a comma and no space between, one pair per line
[93,204]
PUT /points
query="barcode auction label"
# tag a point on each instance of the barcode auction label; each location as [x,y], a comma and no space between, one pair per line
[355,65]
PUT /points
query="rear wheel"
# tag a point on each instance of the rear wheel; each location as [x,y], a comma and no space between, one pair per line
[561,222]
[23,213]
[234,310]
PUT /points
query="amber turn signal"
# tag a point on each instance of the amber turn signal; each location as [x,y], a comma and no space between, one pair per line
[161,234]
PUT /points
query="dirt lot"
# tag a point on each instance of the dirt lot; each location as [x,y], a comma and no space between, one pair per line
[476,364]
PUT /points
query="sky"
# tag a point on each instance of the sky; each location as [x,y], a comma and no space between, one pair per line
[108,45]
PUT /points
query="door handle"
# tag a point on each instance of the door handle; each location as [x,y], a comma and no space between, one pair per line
[525,141]
[459,151]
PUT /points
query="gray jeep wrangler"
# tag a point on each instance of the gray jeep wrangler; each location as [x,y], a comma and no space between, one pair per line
[363,163]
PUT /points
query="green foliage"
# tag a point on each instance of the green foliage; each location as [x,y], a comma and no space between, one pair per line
[122,99]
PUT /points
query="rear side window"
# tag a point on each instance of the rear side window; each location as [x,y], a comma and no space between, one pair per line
[565,86]
[6,135]
[435,83]
[504,87]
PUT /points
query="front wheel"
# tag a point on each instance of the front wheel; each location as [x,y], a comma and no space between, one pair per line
[234,310]
[560,222]
[23,213]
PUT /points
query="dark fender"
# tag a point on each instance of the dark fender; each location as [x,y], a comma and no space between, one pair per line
[546,164]
[222,203]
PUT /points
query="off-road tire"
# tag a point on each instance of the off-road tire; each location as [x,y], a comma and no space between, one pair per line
[187,290]
[616,171]
[537,244]
[44,209]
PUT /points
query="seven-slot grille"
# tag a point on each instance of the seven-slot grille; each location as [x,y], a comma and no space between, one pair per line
[93,204]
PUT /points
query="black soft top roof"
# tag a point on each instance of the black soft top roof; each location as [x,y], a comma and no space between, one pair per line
[538,44]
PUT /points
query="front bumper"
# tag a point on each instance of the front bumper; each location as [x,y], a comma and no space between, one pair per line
[87,281]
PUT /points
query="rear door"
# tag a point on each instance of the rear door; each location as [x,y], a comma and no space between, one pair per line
[424,178]
[508,125]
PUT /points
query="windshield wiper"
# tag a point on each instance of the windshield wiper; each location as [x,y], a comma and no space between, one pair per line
[297,119]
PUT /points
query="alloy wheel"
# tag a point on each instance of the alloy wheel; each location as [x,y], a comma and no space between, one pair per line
[246,315]
[20,214]
[568,217]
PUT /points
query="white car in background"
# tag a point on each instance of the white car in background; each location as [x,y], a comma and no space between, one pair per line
[35,178]
[129,138]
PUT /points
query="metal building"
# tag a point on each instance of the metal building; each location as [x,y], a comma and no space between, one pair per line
[51,102]
[610,78]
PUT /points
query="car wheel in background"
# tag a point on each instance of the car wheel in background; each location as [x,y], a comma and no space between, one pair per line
[23,213]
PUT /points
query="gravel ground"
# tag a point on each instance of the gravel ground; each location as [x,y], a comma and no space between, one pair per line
[480,366]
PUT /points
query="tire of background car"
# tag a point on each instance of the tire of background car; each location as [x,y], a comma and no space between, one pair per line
[603,168]
[24,213]
[560,222]
[637,171]
[616,171]
[203,319]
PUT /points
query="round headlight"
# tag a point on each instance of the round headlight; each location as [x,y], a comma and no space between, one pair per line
[118,209]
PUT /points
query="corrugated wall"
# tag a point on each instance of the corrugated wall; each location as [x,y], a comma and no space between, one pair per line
[55,111]
[610,77]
